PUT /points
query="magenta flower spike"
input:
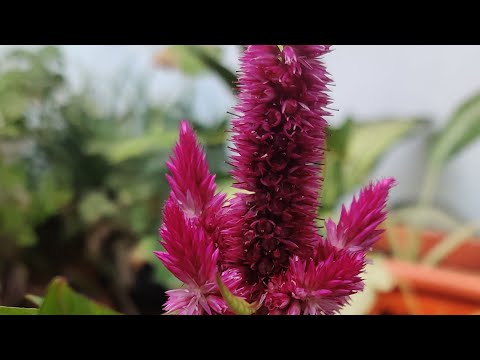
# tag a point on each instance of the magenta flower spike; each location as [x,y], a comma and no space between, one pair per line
[264,242]
[190,254]
[320,286]
[279,140]
[191,231]
[192,184]
[357,228]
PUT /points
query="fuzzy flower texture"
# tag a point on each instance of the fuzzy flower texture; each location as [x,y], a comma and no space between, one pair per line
[264,242]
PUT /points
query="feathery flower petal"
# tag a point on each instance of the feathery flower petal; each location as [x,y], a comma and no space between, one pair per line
[193,186]
[279,143]
[316,287]
[190,255]
[357,227]
[193,258]
[191,231]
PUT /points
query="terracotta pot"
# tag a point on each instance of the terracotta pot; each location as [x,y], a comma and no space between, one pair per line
[451,288]
[394,303]
[466,257]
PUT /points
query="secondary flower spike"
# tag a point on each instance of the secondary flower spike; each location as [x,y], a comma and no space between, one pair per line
[263,243]
[357,228]
[192,184]
[316,286]
[190,255]
[279,139]
[191,231]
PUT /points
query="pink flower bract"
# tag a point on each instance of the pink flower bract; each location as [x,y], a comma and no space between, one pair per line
[357,228]
[193,186]
[191,231]
[316,287]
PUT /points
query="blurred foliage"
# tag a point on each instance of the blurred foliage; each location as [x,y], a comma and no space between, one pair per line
[60,299]
[9,310]
[354,151]
[462,128]
[460,131]
[196,60]
[77,173]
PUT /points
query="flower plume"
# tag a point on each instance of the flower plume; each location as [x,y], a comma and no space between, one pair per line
[279,143]
[263,246]
[193,186]
[357,227]
[191,231]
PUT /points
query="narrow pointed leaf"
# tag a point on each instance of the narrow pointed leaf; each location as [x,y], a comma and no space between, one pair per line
[62,300]
[214,64]
[236,304]
[370,141]
[6,310]
[461,130]
[34,299]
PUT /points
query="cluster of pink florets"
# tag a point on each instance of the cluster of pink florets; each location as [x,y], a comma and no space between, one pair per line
[264,242]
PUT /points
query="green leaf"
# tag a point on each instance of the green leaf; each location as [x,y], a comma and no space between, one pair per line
[338,138]
[94,206]
[153,141]
[424,217]
[461,130]
[236,304]
[6,310]
[354,150]
[214,64]
[196,59]
[62,300]
[34,299]
[181,57]
[48,197]
[333,188]
[212,135]
[369,142]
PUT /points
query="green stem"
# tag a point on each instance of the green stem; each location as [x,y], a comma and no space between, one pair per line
[426,198]
[430,184]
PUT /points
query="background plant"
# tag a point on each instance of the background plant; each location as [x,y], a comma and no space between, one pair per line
[83,179]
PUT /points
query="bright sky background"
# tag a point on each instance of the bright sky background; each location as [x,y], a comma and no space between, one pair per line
[371,82]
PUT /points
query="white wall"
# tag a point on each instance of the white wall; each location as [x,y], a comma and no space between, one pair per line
[413,80]
[371,81]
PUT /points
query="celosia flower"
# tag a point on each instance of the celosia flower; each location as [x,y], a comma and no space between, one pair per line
[191,230]
[316,286]
[357,227]
[279,141]
[193,186]
[264,243]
